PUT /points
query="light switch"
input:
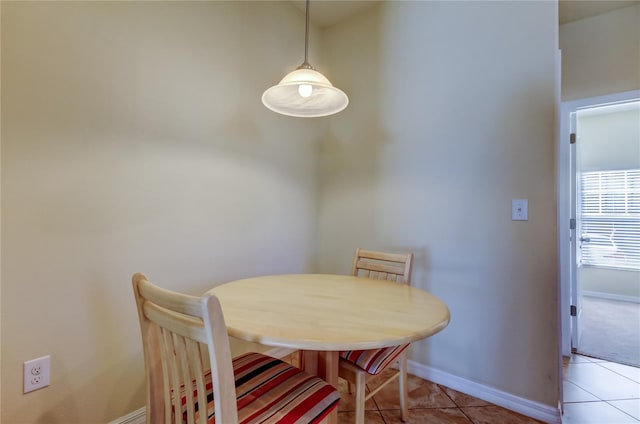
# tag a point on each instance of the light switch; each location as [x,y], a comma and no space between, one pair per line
[519,209]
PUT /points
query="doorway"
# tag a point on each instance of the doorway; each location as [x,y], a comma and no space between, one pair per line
[599,197]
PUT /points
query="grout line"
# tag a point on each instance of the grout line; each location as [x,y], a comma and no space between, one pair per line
[582,388]
[382,416]
[586,401]
[373,398]
[466,416]
[615,372]
[621,409]
[443,390]
[458,407]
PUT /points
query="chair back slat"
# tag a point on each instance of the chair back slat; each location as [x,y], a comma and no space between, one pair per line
[185,375]
[380,269]
[383,266]
[194,353]
[175,380]
[166,383]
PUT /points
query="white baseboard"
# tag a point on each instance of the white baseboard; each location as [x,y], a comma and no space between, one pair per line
[610,296]
[532,409]
[139,416]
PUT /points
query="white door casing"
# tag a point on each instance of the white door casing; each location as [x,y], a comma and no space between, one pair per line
[568,240]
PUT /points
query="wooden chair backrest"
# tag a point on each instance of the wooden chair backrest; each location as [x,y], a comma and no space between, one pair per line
[183,336]
[383,266]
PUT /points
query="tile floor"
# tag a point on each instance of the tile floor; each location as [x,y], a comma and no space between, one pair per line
[595,392]
[600,392]
[428,403]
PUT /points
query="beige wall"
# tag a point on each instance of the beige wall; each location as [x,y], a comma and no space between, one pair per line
[0,217]
[134,139]
[601,55]
[451,117]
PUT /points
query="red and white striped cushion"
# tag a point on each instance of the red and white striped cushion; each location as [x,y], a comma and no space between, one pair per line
[373,361]
[269,390]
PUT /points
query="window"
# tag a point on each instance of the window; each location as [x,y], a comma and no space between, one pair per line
[610,208]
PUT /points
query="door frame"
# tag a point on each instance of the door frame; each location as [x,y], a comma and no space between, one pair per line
[564,175]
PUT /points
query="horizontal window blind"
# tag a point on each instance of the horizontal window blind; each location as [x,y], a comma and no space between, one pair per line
[610,209]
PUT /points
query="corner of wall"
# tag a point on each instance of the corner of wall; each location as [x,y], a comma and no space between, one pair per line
[0,211]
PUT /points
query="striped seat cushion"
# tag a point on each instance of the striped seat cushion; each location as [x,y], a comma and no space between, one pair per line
[269,390]
[373,361]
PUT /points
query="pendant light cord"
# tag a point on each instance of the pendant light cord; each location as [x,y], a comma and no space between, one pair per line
[305,64]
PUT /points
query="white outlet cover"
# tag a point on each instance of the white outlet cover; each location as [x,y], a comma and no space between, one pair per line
[519,209]
[36,373]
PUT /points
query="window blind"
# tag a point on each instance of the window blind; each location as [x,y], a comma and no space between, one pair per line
[610,209]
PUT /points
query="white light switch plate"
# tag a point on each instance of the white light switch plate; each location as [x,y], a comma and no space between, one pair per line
[519,209]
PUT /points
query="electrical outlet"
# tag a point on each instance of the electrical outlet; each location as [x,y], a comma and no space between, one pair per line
[36,373]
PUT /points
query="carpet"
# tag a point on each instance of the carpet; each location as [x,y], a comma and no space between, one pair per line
[611,330]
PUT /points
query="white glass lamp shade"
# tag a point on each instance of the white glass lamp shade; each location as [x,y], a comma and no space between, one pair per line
[305,93]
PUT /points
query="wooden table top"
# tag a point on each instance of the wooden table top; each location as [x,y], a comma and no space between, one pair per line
[325,312]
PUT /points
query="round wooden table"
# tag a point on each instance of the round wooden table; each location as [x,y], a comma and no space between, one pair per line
[324,314]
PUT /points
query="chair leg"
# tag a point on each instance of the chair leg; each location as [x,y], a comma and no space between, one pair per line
[360,393]
[404,389]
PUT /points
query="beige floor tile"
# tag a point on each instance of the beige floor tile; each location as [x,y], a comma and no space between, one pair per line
[631,373]
[602,382]
[573,393]
[573,359]
[630,406]
[595,413]
[428,416]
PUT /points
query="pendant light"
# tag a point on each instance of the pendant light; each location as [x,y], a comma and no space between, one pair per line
[305,92]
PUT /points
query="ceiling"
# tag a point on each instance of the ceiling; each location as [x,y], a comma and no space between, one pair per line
[325,13]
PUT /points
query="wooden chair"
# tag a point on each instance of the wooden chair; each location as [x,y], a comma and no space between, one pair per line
[188,364]
[359,367]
